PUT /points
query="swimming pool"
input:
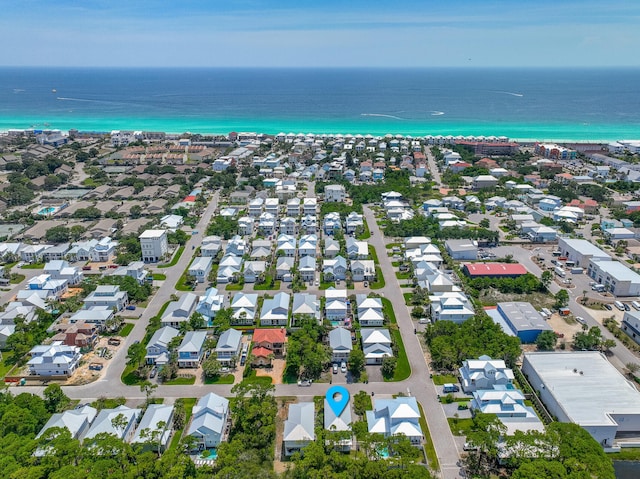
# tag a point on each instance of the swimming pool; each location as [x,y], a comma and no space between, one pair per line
[47,211]
[209,454]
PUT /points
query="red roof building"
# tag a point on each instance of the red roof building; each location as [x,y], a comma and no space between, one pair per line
[271,339]
[493,270]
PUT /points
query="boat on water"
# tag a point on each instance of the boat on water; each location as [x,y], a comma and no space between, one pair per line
[53,90]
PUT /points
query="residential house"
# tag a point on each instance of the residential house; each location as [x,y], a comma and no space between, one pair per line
[271,339]
[254,270]
[354,223]
[394,417]
[229,346]
[97,315]
[284,266]
[255,207]
[307,268]
[336,305]
[209,304]
[370,312]
[309,206]
[334,194]
[363,270]
[54,359]
[171,222]
[275,311]
[56,253]
[61,270]
[288,226]
[299,428]
[484,181]
[154,245]
[156,427]
[304,305]
[508,404]
[484,373]
[158,345]
[135,270]
[244,307]
[331,248]
[357,249]
[272,206]
[229,269]
[266,224]
[293,207]
[106,423]
[209,421]
[76,421]
[33,253]
[245,226]
[450,306]
[109,296]
[82,335]
[191,350]
[307,245]
[331,223]
[179,311]
[376,345]
[309,224]
[200,268]
[340,344]
[334,269]
[286,248]
[211,245]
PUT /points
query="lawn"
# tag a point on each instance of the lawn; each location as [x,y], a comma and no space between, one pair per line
[128,376]
[182,284]
[440,379]
[234,287]
[181,381]
[252,378]
[224,379]
[188,408]
[387,310]
[176,258]
[17,278]
[407,297]
[393,245]
[32,266]
[326,284]
[396,263]
[126,330]
[460,427]
[380,283]
[403,369]
[159,277]
[108,403]
[403,275]
[429,449]
[268,285]
[7,362]
[366,234]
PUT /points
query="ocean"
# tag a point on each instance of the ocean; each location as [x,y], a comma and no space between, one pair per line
[526,104]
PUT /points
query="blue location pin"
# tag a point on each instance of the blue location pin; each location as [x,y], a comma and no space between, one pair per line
[338,398]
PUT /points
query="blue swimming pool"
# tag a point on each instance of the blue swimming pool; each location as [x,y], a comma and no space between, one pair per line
[46,211]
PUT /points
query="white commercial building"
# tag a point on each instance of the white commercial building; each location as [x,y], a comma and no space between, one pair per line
[154,245]
[584,388]
[616,277]
[580,251]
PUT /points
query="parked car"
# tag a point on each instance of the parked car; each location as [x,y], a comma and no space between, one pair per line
[304,383]
[153,372]
[581,320]
[608,306]
[468,446]
[131,307]
[335,368]
[366,284]
[626,307]
[343,367]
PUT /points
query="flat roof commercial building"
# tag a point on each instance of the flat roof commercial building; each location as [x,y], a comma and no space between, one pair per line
[523,319]
[462,249]
[494,270]
[616,277]
[580,251]
[584,388]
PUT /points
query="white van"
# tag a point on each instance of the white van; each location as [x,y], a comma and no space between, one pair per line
[635,305]
[619,305]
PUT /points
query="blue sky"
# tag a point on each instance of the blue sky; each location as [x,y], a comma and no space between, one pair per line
[475,33]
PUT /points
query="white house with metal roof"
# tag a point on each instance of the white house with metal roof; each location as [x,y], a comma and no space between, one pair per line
[376,345]
[191,349]
[299,428]
[179,311]
[484,373]
[394,417]
[229,346]
[155,428]
[54,359]
[209,421]
[340,344]
[158,345]
[275,311]
[107,422]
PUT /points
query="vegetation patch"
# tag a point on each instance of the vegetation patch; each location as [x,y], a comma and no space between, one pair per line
[224,379]
[429,448]
[32,266]
[126,330]
[181,381]
[441,379]
[174,260]
[159,277]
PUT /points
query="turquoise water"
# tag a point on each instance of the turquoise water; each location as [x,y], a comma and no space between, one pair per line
[383,453]
[213,454]
[544,104]
[46,211]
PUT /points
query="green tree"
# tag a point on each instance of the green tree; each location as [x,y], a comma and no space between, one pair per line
[388,368]
[562,299]
[211,367]
[356,362]
[58,234]
[546,341]
[55,398]
[547,278]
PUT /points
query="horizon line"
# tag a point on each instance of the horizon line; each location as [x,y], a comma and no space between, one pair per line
[330,67]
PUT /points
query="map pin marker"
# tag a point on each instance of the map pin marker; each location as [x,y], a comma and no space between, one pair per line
[337,397]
